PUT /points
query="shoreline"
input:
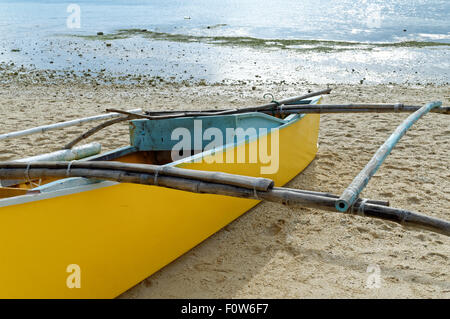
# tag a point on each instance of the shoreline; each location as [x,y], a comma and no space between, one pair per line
[273,251]
[12,74]
[148,57]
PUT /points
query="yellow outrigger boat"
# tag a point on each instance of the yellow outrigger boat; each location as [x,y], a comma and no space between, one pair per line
[79,223]
[113,234]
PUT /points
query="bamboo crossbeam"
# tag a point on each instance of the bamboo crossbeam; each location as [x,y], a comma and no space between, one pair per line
[45,128]
[294,109]
[130,115]
[257,183]
[285,196]
[253,183]
[358,108]
[324,108]
[271,105]
[352,192]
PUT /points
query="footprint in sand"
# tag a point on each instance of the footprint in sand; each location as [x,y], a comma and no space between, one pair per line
[256,250]
[434,256]
[422,237]
[413,200]
[387,194]
[273,229]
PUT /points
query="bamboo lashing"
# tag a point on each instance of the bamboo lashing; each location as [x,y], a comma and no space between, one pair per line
[352,192]
[370,201]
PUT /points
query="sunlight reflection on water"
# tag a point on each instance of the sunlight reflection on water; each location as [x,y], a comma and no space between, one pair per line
[30,34]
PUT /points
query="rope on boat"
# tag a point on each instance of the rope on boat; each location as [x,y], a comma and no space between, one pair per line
[277,104]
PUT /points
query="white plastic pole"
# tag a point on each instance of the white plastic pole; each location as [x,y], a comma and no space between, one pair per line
[73,154]
[45,128]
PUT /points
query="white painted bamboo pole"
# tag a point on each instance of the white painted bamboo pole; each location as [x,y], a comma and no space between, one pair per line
[73,154]
[49,127]
[351,193]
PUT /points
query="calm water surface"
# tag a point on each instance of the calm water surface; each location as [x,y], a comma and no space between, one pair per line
[323,41]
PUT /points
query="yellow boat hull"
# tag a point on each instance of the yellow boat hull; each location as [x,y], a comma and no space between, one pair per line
[100,242]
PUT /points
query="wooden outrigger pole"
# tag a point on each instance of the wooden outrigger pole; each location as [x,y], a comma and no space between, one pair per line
[352,192]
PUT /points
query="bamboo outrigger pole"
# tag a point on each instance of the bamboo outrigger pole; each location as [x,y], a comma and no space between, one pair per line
[292,109]
[185,182]
[45,128]
[252,183]
[129,115]
[269,106]
[357,108]
[352,192]
[257,183]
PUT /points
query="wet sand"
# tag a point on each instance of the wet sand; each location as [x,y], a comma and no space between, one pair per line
[273,251]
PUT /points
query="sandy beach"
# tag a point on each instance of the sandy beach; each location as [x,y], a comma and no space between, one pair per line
[273,251]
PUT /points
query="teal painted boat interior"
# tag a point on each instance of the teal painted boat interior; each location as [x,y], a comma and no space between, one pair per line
[156,135]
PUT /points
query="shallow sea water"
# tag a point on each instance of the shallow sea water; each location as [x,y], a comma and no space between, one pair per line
[321,41]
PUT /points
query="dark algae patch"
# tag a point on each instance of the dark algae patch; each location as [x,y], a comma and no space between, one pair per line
[288,44]
[412,44]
